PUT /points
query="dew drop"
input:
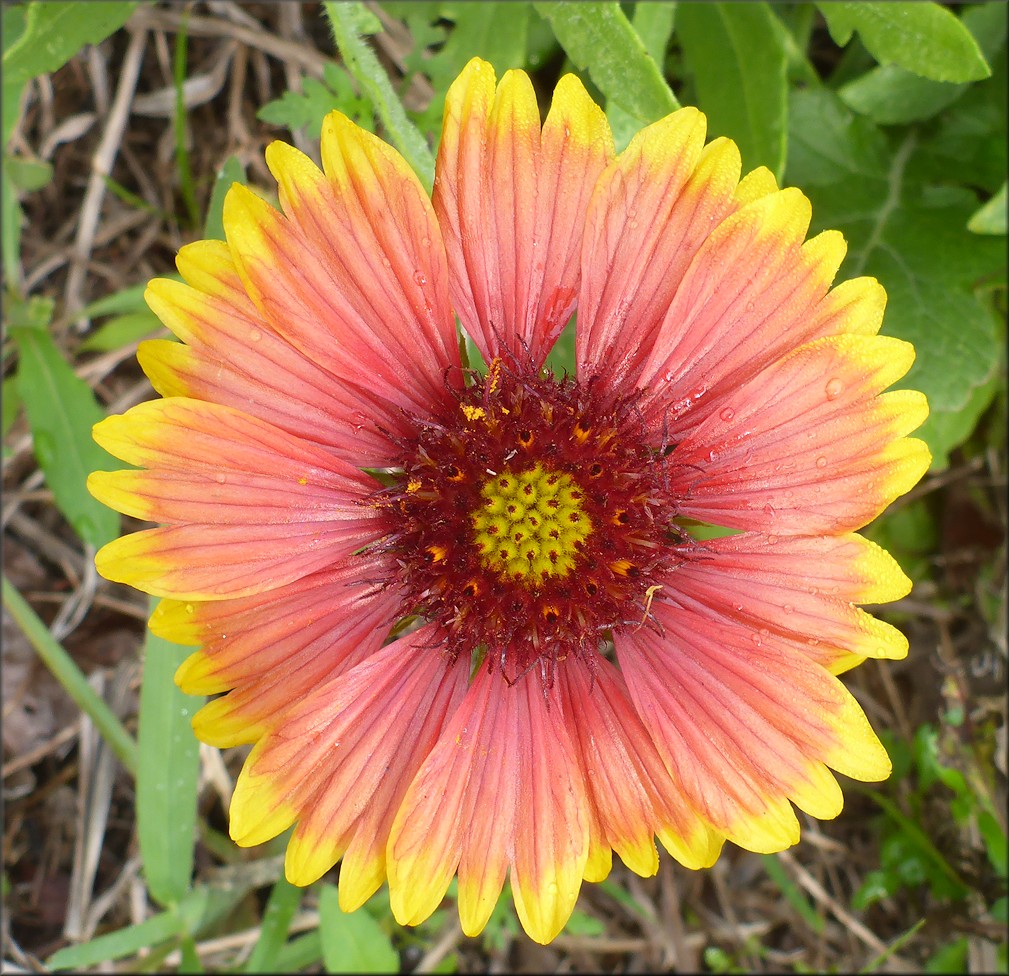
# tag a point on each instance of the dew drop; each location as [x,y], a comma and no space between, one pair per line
[727,414]
[220,478]
[420,277]
[749,306]
[772,540]
[833,388]
[386,263]
[190,608]
[425,242]
[789,608]
[255,335]
[821,461]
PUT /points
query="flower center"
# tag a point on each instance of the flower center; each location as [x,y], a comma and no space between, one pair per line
[531,525]
[530,520]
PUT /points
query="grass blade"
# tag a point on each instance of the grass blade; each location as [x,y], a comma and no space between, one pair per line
[70,676]
[280,909]
[349,21]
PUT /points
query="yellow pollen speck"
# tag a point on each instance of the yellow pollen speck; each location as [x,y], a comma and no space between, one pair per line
[412,485]
[473,413]
[303,481]
[531,524]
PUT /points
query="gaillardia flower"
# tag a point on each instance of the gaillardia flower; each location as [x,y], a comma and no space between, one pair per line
[466,616]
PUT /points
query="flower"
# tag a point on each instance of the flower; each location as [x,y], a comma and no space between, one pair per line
[467,618]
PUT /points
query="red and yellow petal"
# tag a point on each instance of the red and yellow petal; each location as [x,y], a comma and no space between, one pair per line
[511,198]
[255,637]
[250,507]
[746,723]
[654,206]
[514,738]
[341,761]
[809,446]
[631,793]
[232,356]
[801,588]
[745,300]
[345,325]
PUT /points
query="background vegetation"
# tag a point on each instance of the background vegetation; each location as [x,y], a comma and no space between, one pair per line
[123,123]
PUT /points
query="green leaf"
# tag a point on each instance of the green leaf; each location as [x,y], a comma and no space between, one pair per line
[55,32]
[11,403]
[11,218]
[61,411]
[203,906]
[231,172]
[28,174]
[910,235]
[991,217]
[123,302]
[923,37]
[893,95]
[316,100]
[167,774]
[348,20]
[496,32]
[600,39]
[653,23]
[736,54]
[283,903]
[355,942]
[120,331]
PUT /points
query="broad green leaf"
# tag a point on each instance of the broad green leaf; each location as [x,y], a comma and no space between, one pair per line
[736,55]
[349,20]
[55,32]
[893,95]
[167,773]
[123,302]
[61,411]
[231,172]
[355,942]
[991,217]
[28,174]
[911,236]
[280,908]
[300,953]
[11,403]
[495,32]
[600,39]
[121,331]
[923,37]
[653,23]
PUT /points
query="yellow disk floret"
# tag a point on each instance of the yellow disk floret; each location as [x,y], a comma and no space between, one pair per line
[532,523]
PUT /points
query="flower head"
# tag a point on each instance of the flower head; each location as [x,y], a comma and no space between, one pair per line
[466,617]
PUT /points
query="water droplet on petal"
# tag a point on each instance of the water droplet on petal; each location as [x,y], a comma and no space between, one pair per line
[833,388]
[420,277]
[821,461]
[255,335]
[190,608]
[220,478]
[789,608]
[386,263]
[425,242]
[727,414]
[772,540]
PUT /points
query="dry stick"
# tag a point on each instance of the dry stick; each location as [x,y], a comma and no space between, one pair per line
[101,167]
[814,888]
[448,941]
[41,751]
[307,57]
